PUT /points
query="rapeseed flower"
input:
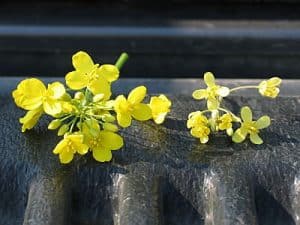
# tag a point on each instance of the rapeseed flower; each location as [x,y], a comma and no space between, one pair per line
[160,106]
[212,93]
[250,127]
[199,126]
[270,87]
[132,107]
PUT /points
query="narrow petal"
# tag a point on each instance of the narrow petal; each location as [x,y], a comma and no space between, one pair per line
[60,147]
[246,114]
[223,91]
[31,118]
[263,122]
[239,136]
[200,94]
[100,86]
[142,112]
[255,139]
[82,62]
[137,95]
[160,118]
[102,154]
[274,81]
[124,119]
[76,80]
[111,140]
[209,79]
[109,72]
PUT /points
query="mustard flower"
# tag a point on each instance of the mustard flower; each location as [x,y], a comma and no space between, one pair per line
[160,106]
[71,144]
[87,74]
[31,94]
[212,92]
[199,126]
[225,123]
[250,127]
[132,107]
[270,87]
[101,142]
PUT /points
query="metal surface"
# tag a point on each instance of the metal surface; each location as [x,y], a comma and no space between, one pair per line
[161,176]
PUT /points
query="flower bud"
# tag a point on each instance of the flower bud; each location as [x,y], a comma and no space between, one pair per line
[79,95]
[62,130]
[54,124]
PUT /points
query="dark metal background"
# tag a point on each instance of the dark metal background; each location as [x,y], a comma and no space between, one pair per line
[238,38]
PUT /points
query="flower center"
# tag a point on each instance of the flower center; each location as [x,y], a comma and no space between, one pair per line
[251,127]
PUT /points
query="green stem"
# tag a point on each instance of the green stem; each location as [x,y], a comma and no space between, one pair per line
[121,60]
[243,87]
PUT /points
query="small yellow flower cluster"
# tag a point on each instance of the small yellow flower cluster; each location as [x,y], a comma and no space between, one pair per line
[89,120]
[222,119]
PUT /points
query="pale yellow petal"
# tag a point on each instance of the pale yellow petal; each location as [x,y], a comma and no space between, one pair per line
[204,139]
[31,118]
[209,79]
[56,90]
[137,95]
[223,91]
[246,114]
[263,122]
[200,94]
[255,139]
[76,80]
[142,112]
[52,107]
[66,157]
[274,81]
[239,136]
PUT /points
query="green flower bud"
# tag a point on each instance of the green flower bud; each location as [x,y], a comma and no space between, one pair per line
[62,130]
[54,124]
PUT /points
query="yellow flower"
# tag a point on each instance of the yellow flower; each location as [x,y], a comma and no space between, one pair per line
[70,145]
[199,125]
[87,74]
[132,107]
[250,127]
[160,106]
[101,142]
[212,92]
[270,87]
[32,94]
[31,118]
[225,123]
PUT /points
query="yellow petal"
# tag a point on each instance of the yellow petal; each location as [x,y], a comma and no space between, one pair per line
[29,94]
[52,107]
[200,94]
[60,146]
[142,112]
[66,157]
[82,62]
[109,72]
[263,122]
[56,90]
[77,142]
[209,79]
[274,81]
[102,154]
[100,86]
[159,118]
[111,140]
[137,95]
[246,114]
[255,139]
[76,80]
[31,118]
[124,119]
[239,136]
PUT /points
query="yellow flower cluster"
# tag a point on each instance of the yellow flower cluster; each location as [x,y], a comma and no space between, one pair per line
[222,119]
[87,117]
